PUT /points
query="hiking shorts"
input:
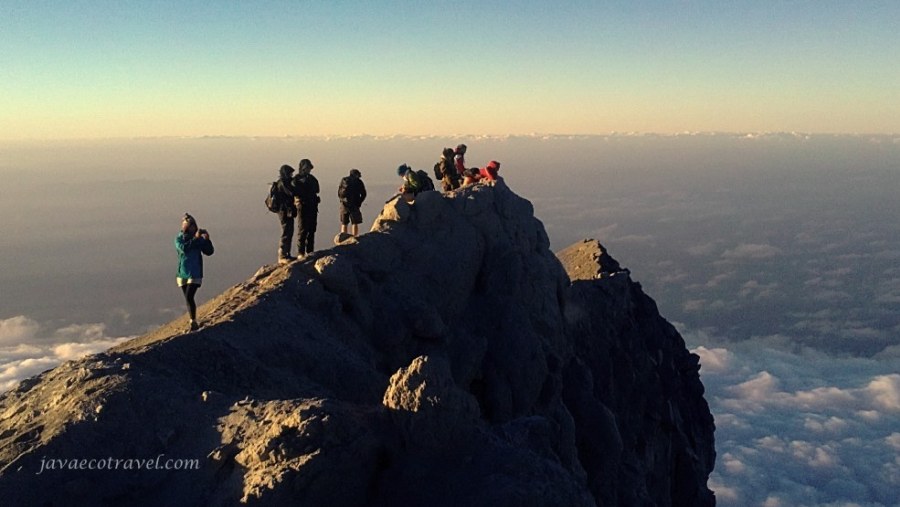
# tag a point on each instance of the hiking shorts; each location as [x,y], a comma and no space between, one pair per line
[350,215]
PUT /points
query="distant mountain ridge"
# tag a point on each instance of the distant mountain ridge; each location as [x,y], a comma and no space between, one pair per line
[447,357]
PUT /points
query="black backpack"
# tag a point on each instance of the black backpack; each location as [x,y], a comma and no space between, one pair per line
[438,173]
[425,183]
[275,200]
[348,191]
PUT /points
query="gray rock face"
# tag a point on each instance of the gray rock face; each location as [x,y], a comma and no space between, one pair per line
[444,358]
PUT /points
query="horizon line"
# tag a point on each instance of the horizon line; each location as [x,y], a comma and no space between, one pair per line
[327,137]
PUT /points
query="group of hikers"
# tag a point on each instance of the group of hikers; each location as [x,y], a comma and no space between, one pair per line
[452,172]
[296,196]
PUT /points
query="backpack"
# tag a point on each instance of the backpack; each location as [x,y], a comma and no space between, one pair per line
[275,200]
[348,191]
[342,188]
[425,183]
[438,173]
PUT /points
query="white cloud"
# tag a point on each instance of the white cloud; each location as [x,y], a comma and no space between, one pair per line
[831,424]
[796,426]
[831,296]
[758,290]
[22,360]
[733,465]
[717,280]
[752,251]
[713,360]
[17,330]
[635,239]
[760,388]
[604,232]
[704,249]
[815,456]
[893,440]
[694,305]
[885,392]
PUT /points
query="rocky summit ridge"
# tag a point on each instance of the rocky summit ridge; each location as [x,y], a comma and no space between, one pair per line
[447,357]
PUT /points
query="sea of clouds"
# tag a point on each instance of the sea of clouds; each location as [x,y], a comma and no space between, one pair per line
[801,427]
[26,349]
[775,255]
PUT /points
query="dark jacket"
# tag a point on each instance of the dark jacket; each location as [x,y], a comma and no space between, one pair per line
[352,192]
[286,187]
[306,190]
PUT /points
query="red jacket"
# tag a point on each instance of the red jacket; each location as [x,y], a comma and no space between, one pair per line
[489,172]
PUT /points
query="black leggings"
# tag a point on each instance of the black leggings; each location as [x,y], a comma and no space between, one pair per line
[189,289]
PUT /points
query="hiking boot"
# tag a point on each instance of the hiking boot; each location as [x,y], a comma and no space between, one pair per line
[194,325]
[286,260]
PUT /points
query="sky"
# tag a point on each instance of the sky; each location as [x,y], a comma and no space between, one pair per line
[80,69]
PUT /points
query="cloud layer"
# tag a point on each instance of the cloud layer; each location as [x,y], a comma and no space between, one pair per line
[799,427]
[26,349]
[777,252]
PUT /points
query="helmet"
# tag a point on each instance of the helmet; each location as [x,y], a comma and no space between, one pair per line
[305,164]
[356,173]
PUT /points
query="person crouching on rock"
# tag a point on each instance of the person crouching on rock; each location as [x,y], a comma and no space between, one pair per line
[352,193]
[489,172]
[472,176]
[192,243]
[414,182]
[306,193]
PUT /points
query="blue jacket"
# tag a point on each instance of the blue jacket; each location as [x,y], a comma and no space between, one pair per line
[190,260]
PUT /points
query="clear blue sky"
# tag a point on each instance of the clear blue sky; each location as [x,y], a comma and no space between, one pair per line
[89,69]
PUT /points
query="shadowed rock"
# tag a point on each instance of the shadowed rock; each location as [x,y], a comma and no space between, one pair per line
[444,358]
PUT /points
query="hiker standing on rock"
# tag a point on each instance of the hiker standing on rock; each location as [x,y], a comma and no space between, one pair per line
[306,193]
[352,193]
[191,243]
[445,170]
[282,202]
[459,159]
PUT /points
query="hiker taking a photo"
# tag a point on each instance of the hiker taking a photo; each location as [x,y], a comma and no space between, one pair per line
[191,243]
[351,193]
